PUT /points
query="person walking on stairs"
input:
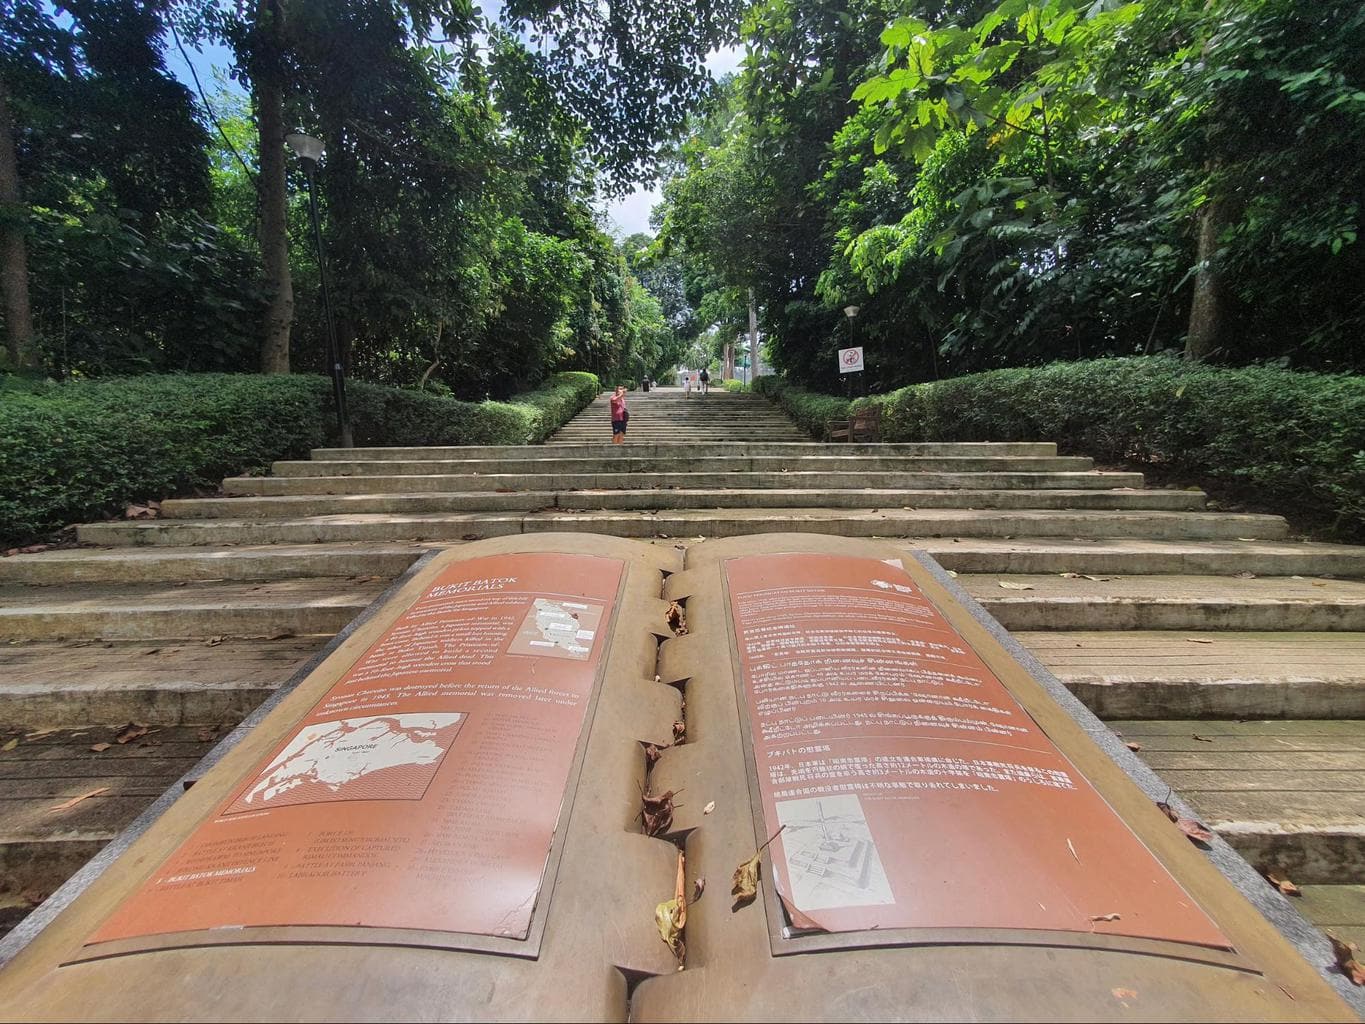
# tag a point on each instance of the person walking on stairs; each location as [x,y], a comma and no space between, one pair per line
[705,380]
[620,415]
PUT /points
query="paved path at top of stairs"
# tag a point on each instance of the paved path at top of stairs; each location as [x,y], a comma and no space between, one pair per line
[1231,652]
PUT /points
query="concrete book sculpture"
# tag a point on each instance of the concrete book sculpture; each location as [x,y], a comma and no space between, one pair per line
[446,818]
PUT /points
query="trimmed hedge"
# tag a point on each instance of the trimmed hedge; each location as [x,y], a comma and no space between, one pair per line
[77,451]
[1280,438]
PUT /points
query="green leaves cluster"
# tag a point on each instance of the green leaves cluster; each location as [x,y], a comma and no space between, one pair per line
[1007,183]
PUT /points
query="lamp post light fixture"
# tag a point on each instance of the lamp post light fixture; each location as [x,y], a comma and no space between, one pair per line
[852,313]
[309,151]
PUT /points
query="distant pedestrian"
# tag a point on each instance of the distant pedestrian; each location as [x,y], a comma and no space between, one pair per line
[687,385]
[619,415]
[705,380]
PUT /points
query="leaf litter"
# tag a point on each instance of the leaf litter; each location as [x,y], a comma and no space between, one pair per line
[744,882]
[1347,961]
[1196,830]
[670,916]
[1281,881]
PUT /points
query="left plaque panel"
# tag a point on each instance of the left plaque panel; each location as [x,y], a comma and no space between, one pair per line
[423,790]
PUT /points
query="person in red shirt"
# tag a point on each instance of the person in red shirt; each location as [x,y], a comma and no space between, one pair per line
[619,415]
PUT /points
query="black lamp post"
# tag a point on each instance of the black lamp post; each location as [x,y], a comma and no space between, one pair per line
[852,313]
[309,151]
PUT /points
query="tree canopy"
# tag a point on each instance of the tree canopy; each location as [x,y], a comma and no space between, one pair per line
[1007,183]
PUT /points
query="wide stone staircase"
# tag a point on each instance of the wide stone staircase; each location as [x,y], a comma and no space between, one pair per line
[1231,655]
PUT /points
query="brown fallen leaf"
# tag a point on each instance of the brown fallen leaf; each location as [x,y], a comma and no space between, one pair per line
[1201,739]
[1197,640]
[1124,993]
[671,915]
[1196,830]
[1245,575]
[698,887]
[130,732]
[1133,745]
[214,641]
[1007,585]
[100,748]
[679,731]
[744,883]
[676,619]
[1104,917]
[1281,881]
[77,799]
[10,745]
[1345,953]
[657,813]
[1069,575]
[652,752]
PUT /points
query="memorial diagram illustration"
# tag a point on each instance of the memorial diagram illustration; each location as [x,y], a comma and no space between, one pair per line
[389,757]
[832,859]
[557,628]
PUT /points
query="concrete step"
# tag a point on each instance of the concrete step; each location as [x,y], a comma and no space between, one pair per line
[855,465]
[171,565]
[360,527]
[670,498]
[735,479]
[41,847]
[1155,675]
[1339,909]
[80,684]
[673,449]
[1109,556]
[1284,793]
[1170,603]
[276,608]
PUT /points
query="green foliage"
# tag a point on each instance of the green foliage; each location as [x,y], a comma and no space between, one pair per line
[737,387]
[810,410]
[1009,183]
[1286,440]
[80,450]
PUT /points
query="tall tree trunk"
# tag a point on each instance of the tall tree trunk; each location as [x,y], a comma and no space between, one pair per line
[1206,307]
[273,227]
[13,252]
[753,337]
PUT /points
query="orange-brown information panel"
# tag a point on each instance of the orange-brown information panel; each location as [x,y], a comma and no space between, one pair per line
[912,789]
[423,790]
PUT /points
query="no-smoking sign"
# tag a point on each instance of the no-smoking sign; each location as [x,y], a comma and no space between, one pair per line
[850,360]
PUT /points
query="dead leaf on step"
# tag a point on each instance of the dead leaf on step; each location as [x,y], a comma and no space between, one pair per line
[40,732]
[679,731]
[130,732]
[77,799]
[671,915]
[1197,640]
[1347,961]
[657,813]
[1007,585]
[1133,745]
[1104,917]
[1101,579]
[140,511]
[1196,830]
[1319,583]
[10,745]
[214,641]
[1124,993]
[1069,575]
[744,883]
[652,752]
[709,807]
[100,748]
[1246,575]
[698,887]
[1201,739]
[1281,881]
[676,619]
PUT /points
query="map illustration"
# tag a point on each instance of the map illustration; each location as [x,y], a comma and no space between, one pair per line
[560,629]
[389,757]
[832,860]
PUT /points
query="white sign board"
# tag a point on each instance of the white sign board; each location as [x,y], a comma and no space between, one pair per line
[850,360]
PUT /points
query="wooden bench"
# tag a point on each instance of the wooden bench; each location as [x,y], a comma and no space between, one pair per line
[865,425]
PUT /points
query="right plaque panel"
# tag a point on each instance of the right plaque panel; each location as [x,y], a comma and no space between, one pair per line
[911,788]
